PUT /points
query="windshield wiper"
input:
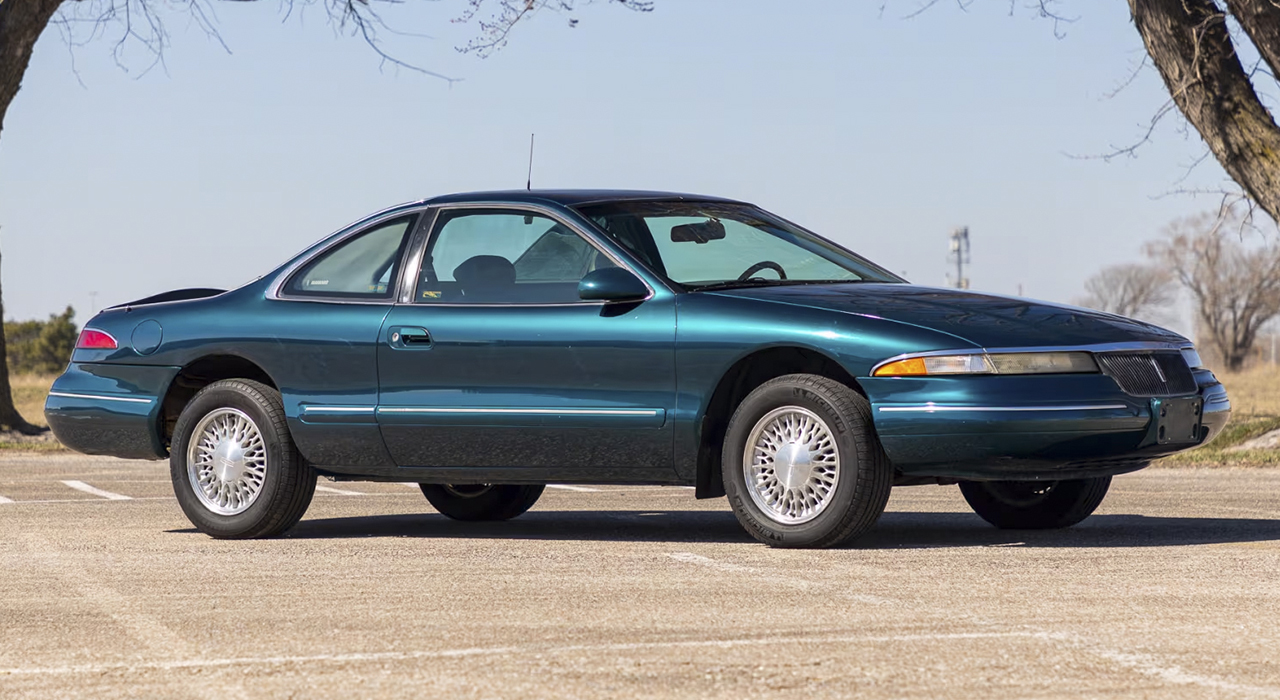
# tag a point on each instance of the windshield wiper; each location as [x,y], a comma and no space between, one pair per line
[738,284]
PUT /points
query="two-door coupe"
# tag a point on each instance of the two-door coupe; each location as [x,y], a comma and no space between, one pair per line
[483,345]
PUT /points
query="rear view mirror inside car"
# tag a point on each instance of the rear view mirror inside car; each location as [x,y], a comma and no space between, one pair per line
[703,232]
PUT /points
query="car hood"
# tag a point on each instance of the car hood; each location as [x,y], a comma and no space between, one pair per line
[986,320]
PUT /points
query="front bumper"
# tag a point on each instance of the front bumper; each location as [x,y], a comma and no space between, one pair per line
[1027,427]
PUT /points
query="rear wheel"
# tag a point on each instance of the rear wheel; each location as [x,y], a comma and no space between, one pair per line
[1035,505]
[235,470]
[802,465]
[476,502]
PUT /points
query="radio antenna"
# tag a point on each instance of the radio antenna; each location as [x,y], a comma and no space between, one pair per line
[528,185]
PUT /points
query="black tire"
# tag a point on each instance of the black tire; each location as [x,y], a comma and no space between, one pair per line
[864,473]
[480,502]
[1035,505]
[288,483]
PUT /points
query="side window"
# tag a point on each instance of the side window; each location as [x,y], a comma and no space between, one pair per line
[483,256]
[363,266]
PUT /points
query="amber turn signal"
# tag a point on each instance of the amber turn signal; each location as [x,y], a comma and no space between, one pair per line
[910,367]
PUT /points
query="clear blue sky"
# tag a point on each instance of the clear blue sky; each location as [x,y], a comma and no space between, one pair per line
[880,132]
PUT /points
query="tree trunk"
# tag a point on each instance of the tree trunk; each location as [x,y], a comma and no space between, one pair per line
[21,23]
[9,416]
[1189,44]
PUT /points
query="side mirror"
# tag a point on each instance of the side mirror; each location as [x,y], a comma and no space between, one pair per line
[612,284]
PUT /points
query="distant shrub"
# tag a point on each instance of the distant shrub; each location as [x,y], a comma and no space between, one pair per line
[40,347]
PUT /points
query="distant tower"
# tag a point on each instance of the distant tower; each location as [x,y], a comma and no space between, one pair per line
[960,256]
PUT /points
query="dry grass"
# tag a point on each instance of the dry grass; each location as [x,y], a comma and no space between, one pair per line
[1254,392]
[1255,410]
[29,392]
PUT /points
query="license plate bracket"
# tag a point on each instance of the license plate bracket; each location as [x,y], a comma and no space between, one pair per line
[1178,420]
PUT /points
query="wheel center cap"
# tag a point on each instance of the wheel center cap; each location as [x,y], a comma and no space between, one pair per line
[228,461]
[793,465]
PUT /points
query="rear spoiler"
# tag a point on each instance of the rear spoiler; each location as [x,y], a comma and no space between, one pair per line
[175,295]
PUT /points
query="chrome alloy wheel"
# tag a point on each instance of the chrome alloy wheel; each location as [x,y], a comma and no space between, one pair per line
[227,461]
[791,465]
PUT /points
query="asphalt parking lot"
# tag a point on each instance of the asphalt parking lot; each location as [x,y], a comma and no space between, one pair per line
[1171,590]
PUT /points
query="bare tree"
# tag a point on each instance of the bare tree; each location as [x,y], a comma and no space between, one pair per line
[135,22]
[1191,44]
[1235,288]
[1196,46]
[1131,289]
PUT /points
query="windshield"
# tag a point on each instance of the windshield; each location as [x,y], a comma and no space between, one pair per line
[715,244]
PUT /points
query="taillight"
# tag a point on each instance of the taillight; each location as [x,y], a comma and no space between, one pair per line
[91,339]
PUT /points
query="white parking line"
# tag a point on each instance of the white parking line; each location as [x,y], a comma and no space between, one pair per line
[382,657]
[1145,665]
[81,486]
[340,492]
[86,501]
[564,487]
[699,560]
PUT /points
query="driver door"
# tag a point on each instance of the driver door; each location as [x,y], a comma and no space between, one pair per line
[496,363]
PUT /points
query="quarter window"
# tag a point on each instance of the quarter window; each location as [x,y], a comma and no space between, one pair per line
[363,267]
[505,257]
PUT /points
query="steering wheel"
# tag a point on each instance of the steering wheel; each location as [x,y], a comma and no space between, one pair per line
[762,265]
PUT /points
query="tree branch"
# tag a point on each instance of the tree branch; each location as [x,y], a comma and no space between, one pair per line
[1260,19]
[497,24]
[1189,44]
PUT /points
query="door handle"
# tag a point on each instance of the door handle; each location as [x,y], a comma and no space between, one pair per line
[402,337]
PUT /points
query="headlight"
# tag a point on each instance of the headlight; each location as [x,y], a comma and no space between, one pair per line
[998,363]
[1192,357]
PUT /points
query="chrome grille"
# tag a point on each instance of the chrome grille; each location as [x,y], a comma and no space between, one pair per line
[1161,373]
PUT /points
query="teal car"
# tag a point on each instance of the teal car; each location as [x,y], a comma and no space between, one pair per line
[483,345]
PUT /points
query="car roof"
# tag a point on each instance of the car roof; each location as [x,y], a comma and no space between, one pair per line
[568,198]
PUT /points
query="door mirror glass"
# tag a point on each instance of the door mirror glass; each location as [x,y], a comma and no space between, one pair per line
[612,284]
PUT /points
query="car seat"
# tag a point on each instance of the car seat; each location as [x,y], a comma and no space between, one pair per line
[486,278]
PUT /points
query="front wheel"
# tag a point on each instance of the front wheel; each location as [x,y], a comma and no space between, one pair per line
[802,465]
[1035,505]
[478,502]
[235,469]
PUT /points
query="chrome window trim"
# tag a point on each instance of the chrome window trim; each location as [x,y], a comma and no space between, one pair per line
[275,291]
[943,408]
[550,212]
[1137,346]
[418,248]
[100,397]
